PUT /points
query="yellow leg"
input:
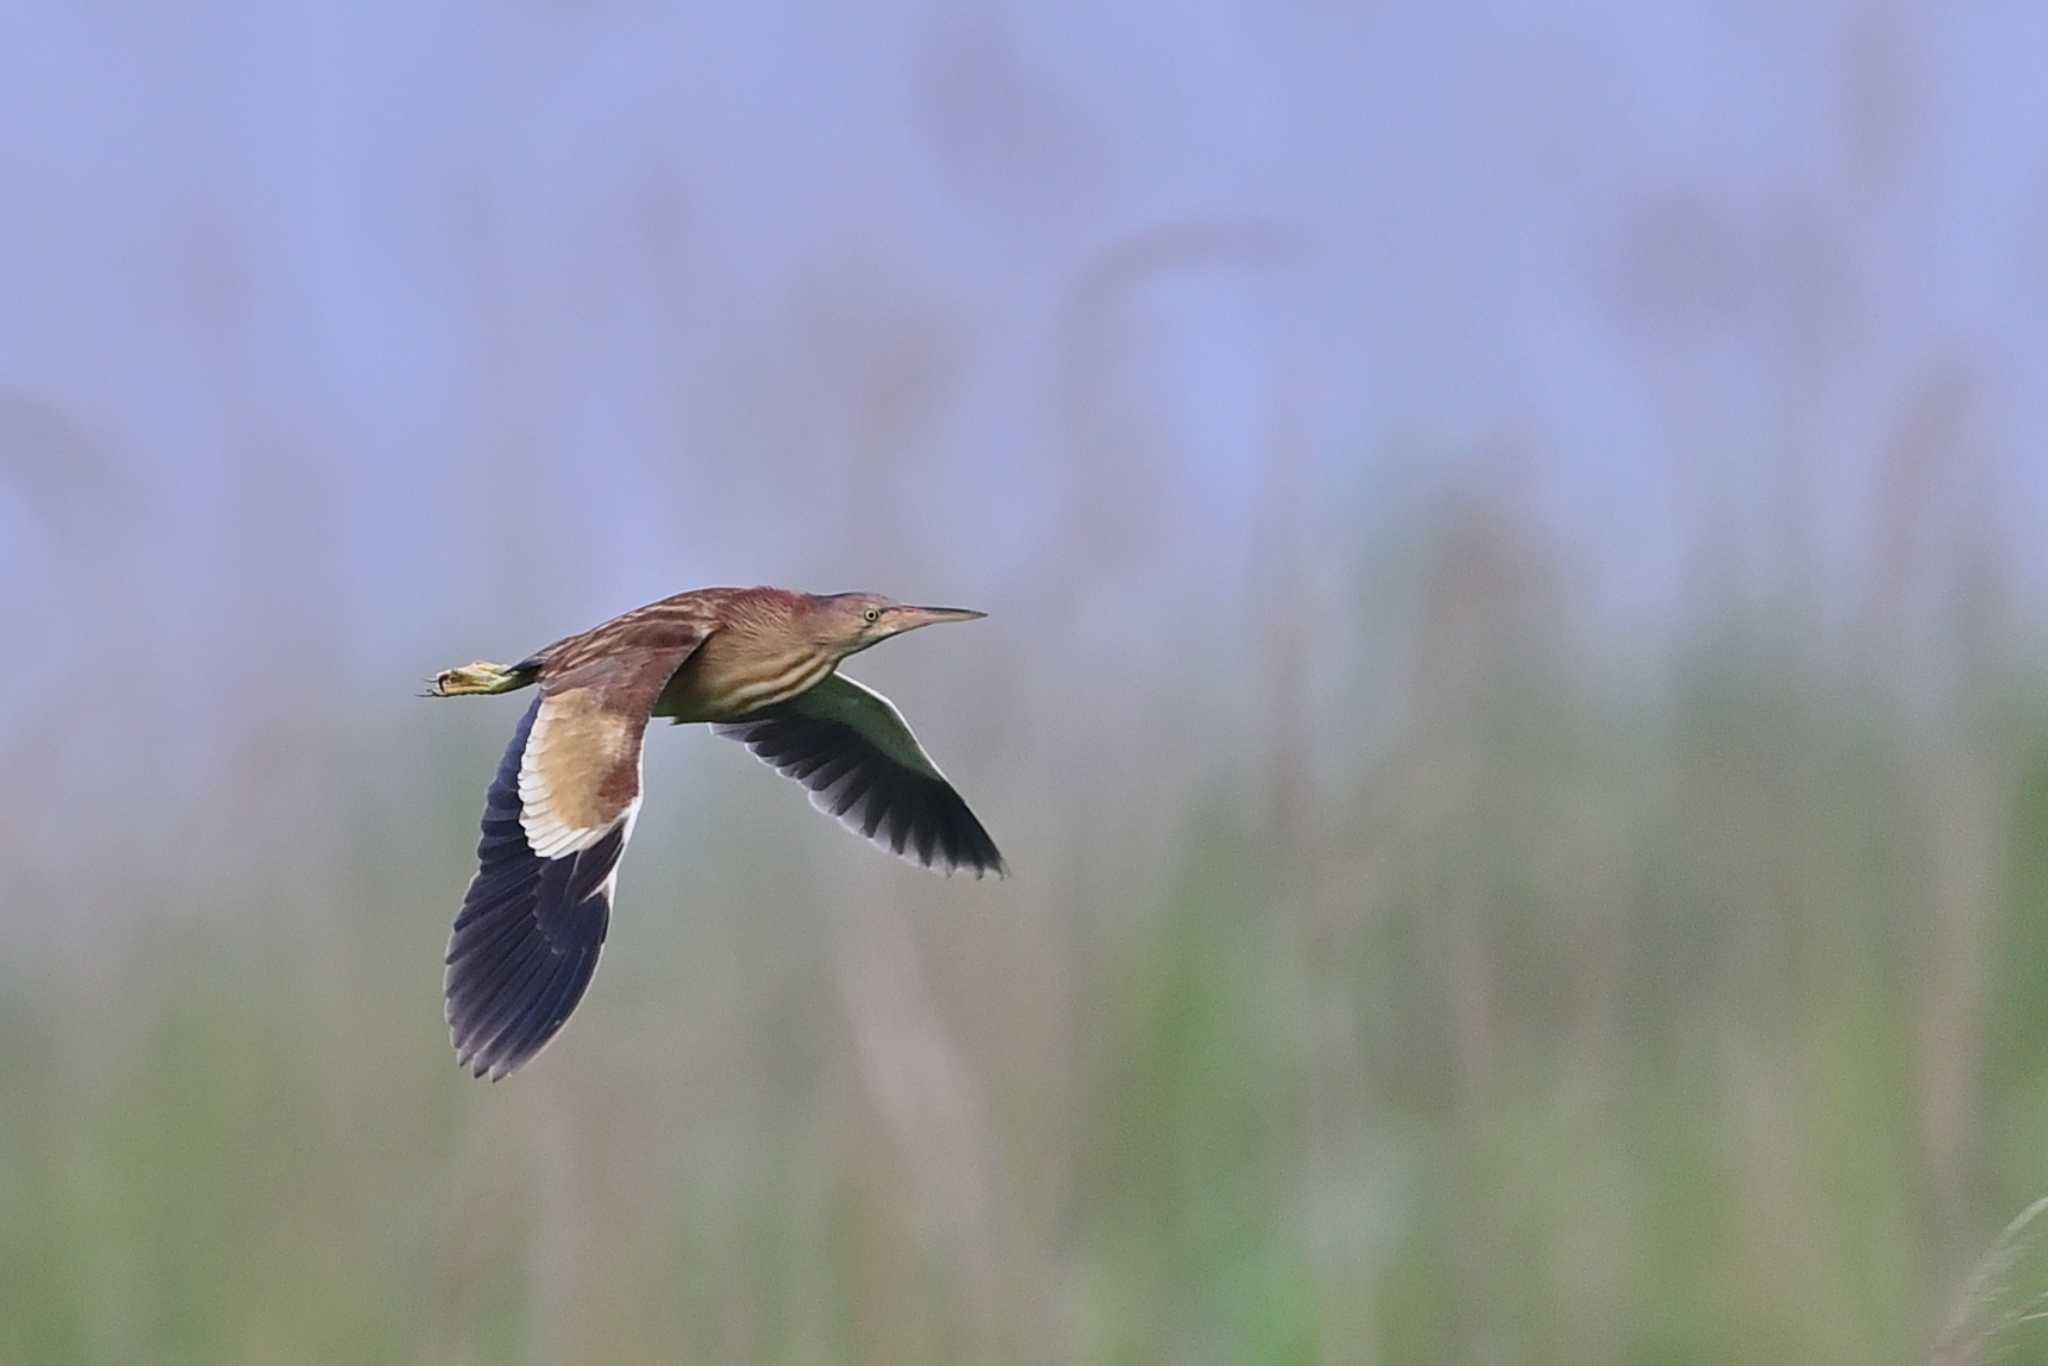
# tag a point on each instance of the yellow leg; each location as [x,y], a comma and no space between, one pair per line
[475,679]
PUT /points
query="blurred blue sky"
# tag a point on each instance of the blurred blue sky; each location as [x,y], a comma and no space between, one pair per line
[368,315]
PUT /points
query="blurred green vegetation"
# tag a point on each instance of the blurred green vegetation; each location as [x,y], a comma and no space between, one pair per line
[1689,1016]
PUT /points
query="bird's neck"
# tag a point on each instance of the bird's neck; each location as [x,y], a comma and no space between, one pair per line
[777,674]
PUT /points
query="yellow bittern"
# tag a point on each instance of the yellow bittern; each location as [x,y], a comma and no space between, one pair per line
[761,665]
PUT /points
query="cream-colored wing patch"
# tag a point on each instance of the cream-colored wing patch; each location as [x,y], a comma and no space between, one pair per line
[580,772]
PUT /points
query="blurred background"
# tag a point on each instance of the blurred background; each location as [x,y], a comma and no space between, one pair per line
[1513,690]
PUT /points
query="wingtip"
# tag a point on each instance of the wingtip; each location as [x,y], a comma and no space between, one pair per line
[995,868]
[477,1063]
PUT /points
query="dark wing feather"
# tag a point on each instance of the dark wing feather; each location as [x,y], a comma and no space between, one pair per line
[528,937]
[555,825]
[850,746]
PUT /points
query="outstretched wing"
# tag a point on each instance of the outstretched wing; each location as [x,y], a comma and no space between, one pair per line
[850,746]
[556,821]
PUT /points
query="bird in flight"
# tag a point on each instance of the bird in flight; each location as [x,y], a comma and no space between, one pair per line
[761,665]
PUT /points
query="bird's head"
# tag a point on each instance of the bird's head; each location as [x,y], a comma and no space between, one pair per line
[848,623]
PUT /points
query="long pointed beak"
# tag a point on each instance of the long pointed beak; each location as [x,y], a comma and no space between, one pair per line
[910,618]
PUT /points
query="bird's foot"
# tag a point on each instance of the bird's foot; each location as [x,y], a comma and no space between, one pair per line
[474,679]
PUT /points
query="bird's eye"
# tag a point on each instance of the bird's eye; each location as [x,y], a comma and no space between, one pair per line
[872,615]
